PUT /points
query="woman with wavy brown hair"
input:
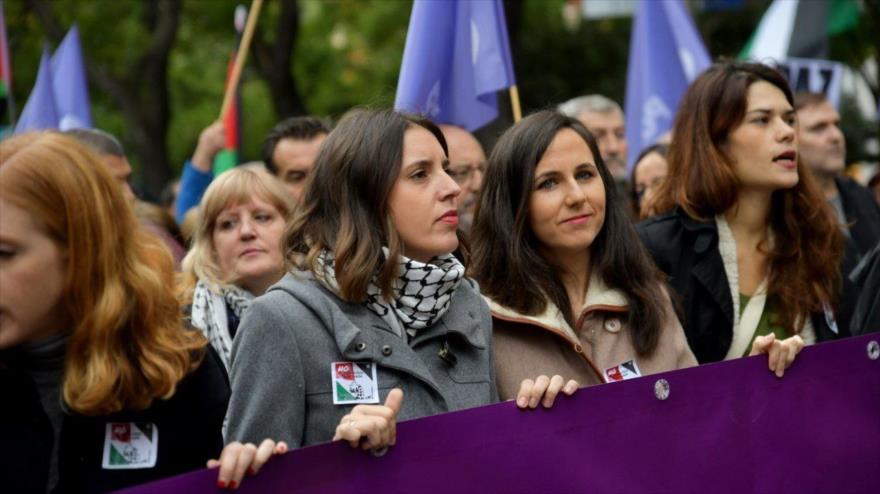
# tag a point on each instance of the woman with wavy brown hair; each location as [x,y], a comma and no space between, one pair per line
[103,388]
[751,247]
[376,323]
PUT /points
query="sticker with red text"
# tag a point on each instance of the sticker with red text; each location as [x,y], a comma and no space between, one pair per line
[622,372]
[354,382]
[130,445]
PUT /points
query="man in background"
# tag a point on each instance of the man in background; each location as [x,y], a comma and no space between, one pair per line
[290,149]
[111,152]
[153,218]
[603,117]
[822,148]
[467,162]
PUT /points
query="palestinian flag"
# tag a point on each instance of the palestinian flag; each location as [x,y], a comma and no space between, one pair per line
[800,29]
[227,159]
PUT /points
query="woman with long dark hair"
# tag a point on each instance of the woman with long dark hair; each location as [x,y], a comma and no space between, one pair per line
[747,239]
[573,293]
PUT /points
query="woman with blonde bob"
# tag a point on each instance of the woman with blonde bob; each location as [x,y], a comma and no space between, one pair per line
[236,253]
[103,388]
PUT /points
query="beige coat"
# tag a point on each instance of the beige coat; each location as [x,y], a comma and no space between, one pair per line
[529,346]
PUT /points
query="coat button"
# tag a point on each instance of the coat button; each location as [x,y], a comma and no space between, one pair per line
[612,325]
[386,350]
[361,346]
[661,389]
[578,348]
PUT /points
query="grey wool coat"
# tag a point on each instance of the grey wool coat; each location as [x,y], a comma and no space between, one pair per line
[282,385]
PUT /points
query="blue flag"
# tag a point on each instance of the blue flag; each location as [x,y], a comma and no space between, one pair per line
[39,111]
[456,58]
[69,83]
[666,53]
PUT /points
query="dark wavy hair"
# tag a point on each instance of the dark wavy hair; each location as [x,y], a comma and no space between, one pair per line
[505,253]
[345,207]
[805,260]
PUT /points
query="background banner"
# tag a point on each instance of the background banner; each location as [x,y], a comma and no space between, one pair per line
[726,427]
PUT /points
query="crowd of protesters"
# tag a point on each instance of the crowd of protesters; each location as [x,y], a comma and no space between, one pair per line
[384,269]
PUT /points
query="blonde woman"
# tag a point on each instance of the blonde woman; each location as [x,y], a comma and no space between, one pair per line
[103,388]
[236,253]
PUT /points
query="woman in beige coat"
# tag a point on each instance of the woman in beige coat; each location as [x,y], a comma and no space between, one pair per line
[573,294]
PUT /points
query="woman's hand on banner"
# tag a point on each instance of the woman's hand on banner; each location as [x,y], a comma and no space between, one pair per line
[543,390]
[238,459]
[780,353]
[372,426]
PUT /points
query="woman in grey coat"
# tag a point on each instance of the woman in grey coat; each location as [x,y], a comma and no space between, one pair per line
[376,322]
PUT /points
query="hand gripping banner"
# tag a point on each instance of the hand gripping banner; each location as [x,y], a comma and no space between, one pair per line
[726,427]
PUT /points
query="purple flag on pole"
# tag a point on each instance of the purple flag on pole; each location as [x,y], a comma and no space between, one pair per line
[666,53]
[456,57]
[40,111]
[69,83]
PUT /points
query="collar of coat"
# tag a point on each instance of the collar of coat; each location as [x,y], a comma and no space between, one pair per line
[349,320]
[599,298]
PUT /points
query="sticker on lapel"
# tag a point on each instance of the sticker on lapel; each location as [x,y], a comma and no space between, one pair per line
[130,445]
[354,382]
[622,372]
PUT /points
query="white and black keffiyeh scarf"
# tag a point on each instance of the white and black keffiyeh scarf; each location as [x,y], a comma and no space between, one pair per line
[421,293]
[209,315]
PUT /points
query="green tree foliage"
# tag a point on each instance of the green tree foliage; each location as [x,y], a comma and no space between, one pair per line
[346,53]
[350,52]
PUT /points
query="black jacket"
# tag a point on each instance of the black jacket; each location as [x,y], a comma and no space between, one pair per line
[189,433]
[863,220]
[866,277]
[687,251]
[862,216]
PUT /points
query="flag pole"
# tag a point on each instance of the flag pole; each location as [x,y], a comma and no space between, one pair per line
[514,103]
[241,56]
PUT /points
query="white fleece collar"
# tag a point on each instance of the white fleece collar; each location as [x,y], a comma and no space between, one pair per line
[599,296]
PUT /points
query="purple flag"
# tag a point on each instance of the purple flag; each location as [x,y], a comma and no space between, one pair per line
[40,111]
[69,83]
[666,53]
[456,57]
[725,427]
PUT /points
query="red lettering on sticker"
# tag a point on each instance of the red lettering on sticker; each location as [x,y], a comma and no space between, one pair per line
[613,374]
[345,371]
[121,432]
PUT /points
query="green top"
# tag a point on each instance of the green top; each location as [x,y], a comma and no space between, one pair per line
[764,324]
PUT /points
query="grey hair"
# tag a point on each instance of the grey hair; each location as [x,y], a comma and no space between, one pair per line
[98,140]
[593,103]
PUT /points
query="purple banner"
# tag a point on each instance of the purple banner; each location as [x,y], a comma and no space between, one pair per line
[726,427]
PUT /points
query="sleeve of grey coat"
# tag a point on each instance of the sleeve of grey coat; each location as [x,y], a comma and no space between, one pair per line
[266,377]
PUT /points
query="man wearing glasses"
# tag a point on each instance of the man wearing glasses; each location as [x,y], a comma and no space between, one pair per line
[467,161]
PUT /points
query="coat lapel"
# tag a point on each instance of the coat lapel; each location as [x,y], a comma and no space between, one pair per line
[708,268]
